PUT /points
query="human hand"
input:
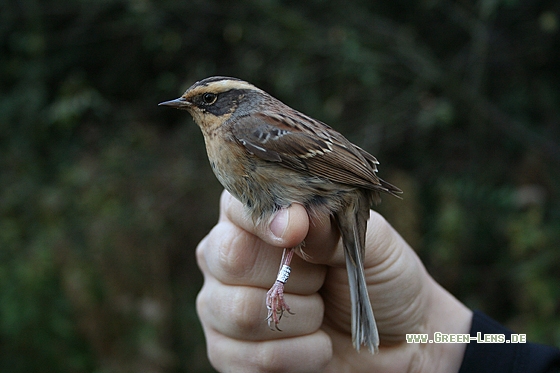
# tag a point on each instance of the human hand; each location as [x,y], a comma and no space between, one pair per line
[239,263]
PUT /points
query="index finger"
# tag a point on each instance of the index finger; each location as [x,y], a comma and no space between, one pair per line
[288,228]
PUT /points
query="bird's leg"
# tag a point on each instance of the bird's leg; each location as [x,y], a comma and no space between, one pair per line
[275,296]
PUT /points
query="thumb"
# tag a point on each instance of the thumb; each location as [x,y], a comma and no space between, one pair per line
[285,229]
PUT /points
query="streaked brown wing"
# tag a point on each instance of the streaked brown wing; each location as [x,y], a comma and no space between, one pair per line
[311,147]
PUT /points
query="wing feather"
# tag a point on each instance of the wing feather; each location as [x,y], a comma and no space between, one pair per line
[323,152]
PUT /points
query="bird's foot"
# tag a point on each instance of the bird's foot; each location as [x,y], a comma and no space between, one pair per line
[276,305]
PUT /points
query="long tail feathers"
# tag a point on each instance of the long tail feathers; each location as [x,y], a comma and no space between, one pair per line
[364,327]
[352,223]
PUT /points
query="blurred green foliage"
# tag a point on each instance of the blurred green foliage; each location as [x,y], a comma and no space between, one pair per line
[104,196]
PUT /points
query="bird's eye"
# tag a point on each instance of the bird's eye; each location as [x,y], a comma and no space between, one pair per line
[209,98]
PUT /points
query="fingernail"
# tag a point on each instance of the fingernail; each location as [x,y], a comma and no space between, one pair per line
[279,224]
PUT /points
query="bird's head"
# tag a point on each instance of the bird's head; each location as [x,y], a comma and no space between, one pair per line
[212,101]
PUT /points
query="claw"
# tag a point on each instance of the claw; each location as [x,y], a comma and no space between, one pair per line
[275,302]
[276,305]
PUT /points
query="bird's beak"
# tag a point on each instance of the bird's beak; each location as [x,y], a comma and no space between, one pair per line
[178,103]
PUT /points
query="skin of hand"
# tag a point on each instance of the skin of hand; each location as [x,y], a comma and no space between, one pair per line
[238,260]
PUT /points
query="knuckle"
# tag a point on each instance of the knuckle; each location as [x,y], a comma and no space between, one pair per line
[226,253]
[200,253]
[225,203]
[234,311]
[202,304]
[244,311]
[267,360]
[234,256]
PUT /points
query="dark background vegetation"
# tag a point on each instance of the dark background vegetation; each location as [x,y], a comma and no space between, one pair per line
[104,196]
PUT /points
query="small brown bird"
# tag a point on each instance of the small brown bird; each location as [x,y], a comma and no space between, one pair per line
[268,156]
